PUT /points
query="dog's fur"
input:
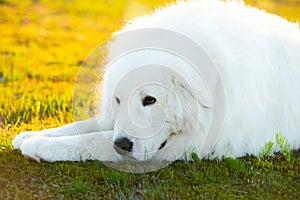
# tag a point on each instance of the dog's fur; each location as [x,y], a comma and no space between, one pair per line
[258,58]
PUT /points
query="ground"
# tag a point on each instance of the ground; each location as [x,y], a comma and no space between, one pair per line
[42,44]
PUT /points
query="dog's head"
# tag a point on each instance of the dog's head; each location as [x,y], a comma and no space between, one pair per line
[156,114]
[158,111]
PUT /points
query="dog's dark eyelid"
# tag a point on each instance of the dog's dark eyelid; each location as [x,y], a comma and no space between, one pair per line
[148,100]
[117,100]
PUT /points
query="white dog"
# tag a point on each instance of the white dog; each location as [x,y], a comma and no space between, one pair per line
[257,56]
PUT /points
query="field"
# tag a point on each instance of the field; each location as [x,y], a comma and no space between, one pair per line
[42,45]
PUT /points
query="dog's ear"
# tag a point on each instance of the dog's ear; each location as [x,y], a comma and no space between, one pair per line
[198,90]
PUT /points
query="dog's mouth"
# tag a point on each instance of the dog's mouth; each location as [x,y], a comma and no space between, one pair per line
[162,145]
[165,142]
[124,147]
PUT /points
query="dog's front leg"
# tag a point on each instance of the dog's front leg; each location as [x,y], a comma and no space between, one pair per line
[75,128]
[92,146]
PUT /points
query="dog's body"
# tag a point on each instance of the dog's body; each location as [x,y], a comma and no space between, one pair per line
[258,58]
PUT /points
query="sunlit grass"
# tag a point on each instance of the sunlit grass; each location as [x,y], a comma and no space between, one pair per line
[42,47]
[288,9]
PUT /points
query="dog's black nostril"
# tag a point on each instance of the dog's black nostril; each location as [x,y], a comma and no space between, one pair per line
[123,145]
[162,145]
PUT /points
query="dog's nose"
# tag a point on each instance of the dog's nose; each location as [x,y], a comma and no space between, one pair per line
[123,145]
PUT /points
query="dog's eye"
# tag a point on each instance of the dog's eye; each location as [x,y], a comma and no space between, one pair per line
[148,100]
[117,100]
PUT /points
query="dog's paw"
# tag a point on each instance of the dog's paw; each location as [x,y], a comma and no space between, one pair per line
[53,149]
[20,138]
[39,148]
[31,148]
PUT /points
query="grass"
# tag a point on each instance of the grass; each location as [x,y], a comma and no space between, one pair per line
[284,146]
[231,178]
[42,44]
